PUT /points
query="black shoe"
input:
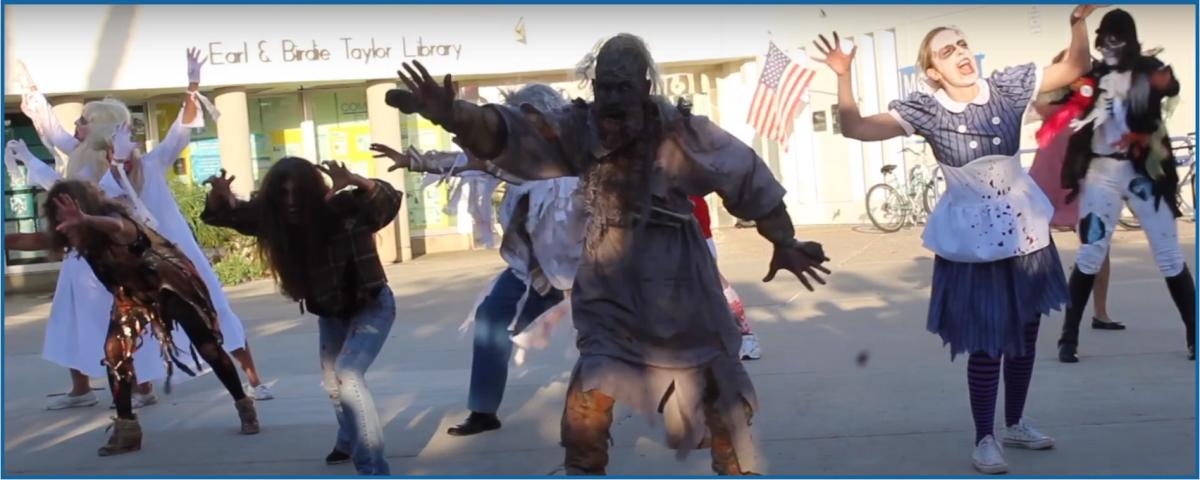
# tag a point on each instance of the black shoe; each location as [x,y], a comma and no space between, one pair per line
[337,457]
[1109,325]
[1067,354]
[476,423]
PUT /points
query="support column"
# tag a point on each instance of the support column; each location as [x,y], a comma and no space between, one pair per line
[394,241]
[68,110]
[233,135]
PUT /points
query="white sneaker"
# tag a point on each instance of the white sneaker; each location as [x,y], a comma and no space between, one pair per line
[750,348]
[1025,436]
[142,400]
[67,401]
[261,392]
[138,400]
[988,457]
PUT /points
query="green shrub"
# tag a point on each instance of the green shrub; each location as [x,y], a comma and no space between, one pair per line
[232,254]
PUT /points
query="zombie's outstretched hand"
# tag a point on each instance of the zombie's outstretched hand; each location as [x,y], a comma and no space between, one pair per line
[424,96]
[221,193]
[800,258]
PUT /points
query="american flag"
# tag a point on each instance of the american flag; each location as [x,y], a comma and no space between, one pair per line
[778,97]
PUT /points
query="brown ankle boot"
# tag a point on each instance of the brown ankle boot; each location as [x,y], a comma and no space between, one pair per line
[249,417]
[126,437]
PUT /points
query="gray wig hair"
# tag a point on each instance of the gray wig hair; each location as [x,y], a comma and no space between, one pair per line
[585,70]
[541,96]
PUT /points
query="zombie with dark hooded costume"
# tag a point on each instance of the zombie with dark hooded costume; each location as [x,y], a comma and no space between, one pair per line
[654,330]
[1120,153]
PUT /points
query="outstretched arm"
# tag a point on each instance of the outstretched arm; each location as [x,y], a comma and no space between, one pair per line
[873,128]
[119,230]
[223,209]
[800,258]
[1078,60]
[180,135]
[35,106]
[479,129]
[37,173]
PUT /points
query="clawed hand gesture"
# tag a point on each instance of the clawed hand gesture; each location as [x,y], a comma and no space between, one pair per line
[425,96]
[837,60]
[399,160]
[801,258]
[221,190]
[341,176]
[69,215]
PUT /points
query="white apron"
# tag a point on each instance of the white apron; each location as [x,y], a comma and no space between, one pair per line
[992,210]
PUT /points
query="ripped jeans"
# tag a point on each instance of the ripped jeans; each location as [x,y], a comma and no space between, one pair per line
[348,346]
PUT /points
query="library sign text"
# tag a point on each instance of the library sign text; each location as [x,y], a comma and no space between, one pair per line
[310,51]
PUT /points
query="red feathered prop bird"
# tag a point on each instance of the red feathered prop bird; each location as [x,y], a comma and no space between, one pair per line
[1083,95]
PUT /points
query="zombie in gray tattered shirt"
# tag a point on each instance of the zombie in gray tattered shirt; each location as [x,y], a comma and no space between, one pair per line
[654,331]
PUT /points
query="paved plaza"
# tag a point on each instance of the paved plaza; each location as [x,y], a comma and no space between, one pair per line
[1128,408]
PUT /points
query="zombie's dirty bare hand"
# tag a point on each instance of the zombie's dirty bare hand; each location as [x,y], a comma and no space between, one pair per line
[342,177]
[69,215]
[800,258]
[425,96]
[221,193]
[399,160]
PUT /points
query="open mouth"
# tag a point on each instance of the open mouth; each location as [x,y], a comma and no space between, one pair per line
[965,67]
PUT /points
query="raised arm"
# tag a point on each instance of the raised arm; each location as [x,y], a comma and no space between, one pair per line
[873,128]
[375,201]
[118,229]
[35,106]
[527,143]
[37,173]
[178,137]
[1078,61]
[223,209]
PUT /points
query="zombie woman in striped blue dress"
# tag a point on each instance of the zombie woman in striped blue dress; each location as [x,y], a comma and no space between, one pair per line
[996,270]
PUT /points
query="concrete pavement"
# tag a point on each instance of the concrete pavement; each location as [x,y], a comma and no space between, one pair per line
[1129,408]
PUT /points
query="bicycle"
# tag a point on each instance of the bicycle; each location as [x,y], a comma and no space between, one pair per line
[1186,191]
[890,210]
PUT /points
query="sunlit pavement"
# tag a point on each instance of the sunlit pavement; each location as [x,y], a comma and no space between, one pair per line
[1128,408]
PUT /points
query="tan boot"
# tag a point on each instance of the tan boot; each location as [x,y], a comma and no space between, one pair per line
[586,420]
[249,417]
[126,437]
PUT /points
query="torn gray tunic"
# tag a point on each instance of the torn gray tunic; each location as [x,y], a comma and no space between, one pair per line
[654,329]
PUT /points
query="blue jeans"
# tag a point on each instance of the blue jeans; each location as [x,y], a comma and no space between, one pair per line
[493,347]
[348,346]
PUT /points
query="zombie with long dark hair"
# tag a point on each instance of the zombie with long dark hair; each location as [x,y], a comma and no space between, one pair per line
[654,330]
[154,286]
[996,271]
[318,241]
[1120,154]
[543,239]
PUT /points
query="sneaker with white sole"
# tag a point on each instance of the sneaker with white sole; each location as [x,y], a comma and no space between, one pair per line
[750,348]
[988,457]
[139,400]
[68,401]
[1023,435]
[262,392]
